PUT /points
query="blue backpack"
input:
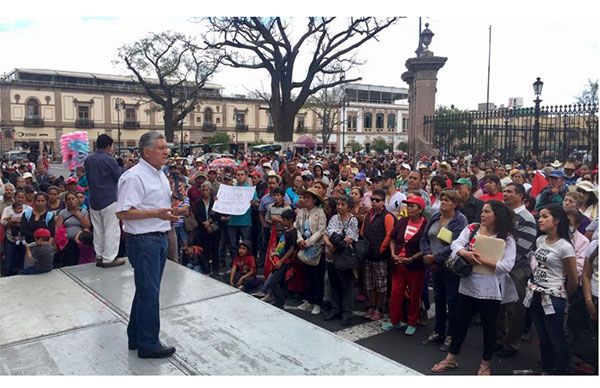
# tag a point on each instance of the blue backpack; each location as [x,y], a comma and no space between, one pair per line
[27,213]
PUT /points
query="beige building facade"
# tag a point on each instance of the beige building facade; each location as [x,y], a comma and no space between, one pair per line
[38,106]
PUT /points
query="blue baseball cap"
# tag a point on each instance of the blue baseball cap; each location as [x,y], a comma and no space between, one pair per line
[361,176]
[557,174]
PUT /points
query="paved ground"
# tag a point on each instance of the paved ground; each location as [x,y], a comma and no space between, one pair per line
[409,351]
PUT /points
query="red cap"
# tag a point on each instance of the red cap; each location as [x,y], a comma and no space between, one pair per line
[256,173]
[416,200]
[72,180]
[41,233]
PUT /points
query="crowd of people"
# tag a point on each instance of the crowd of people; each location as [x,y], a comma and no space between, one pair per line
[333,230]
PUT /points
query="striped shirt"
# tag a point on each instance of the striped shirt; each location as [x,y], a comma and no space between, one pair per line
[527,234]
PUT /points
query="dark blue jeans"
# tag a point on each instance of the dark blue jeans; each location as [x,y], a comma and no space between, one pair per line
[147,254]
[445,293]
[551,333]
[236,233]
[14,257]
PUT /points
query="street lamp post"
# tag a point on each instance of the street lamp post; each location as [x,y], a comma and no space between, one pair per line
[343,146]
[119,104]
[537,89]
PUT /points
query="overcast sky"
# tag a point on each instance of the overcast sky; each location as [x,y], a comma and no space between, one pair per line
[560,47]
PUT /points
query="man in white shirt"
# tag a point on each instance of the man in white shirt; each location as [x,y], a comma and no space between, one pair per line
[144,204]
[393,199]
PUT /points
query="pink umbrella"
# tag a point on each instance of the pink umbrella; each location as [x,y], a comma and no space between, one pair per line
[222,162]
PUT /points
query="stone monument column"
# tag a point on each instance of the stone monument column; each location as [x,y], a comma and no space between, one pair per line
[421,78]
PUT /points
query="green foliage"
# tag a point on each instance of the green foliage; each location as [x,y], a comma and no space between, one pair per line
[402,146]
[257,143]
[220,137]
[356,147]
[380,145]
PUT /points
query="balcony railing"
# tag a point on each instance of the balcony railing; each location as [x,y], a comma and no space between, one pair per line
[241,128]
[209,127]
[84,123]
[131,124]
[34,122]
[300,129]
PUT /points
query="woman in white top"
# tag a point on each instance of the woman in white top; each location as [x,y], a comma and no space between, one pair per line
[482,290]
[546,295]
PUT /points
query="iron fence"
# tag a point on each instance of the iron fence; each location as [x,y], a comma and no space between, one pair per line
[563,132]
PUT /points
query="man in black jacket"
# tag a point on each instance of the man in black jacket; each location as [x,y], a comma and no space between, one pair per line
[470,206]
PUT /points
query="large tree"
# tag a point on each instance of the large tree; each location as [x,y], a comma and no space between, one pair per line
[172,70]
[326,104]
[589,95]
[328,44]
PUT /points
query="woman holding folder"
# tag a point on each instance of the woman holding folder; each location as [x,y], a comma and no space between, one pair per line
[443,227]
[490,247]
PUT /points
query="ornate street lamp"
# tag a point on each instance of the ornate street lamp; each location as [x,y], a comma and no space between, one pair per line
[119,104]
[537,89]
[426,37]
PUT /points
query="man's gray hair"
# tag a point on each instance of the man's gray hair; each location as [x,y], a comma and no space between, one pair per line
[206,184]
[9,186]
[148,140]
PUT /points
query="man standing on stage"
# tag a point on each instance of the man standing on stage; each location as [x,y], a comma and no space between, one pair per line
[103,172]
[144,204]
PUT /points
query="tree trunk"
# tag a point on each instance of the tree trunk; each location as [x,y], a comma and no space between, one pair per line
[169,129]
[284,127]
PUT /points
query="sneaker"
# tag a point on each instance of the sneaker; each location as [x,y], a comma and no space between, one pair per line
[268,298]
[410,330]
[316,310]
[434,338]
[305,306]
[376,315]
[390,326]
[259,294]
[369,312]
[446,345]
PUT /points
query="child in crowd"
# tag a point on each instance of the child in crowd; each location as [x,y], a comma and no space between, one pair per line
[39,254]
[283,257]
[192,258]
[85,242]
[243,271]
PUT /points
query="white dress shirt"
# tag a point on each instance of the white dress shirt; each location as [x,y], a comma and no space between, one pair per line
[143,187]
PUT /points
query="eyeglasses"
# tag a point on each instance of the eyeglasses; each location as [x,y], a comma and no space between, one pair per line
[376,199]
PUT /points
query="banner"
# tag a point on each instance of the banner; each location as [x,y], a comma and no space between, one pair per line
[234,200]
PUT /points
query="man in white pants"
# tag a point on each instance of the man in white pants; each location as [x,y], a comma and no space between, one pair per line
[103,174]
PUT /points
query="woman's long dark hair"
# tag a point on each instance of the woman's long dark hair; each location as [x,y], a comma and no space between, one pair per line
[558,213]
[505,219]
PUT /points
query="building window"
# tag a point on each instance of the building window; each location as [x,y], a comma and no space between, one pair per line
[83,112]
[208,115]
[32,108]
[130,115]
[240,118]
[404,124]
[300,122]
[379,121]
[368,120]
[352,122]
[391,122]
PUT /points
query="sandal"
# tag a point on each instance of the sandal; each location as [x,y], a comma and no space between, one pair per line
[444,365]
[485,369]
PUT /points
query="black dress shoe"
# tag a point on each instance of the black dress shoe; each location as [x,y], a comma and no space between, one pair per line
[163,352]
[505,353]
[345,321]
[332,315]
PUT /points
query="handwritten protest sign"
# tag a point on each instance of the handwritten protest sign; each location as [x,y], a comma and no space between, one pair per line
[233,200]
